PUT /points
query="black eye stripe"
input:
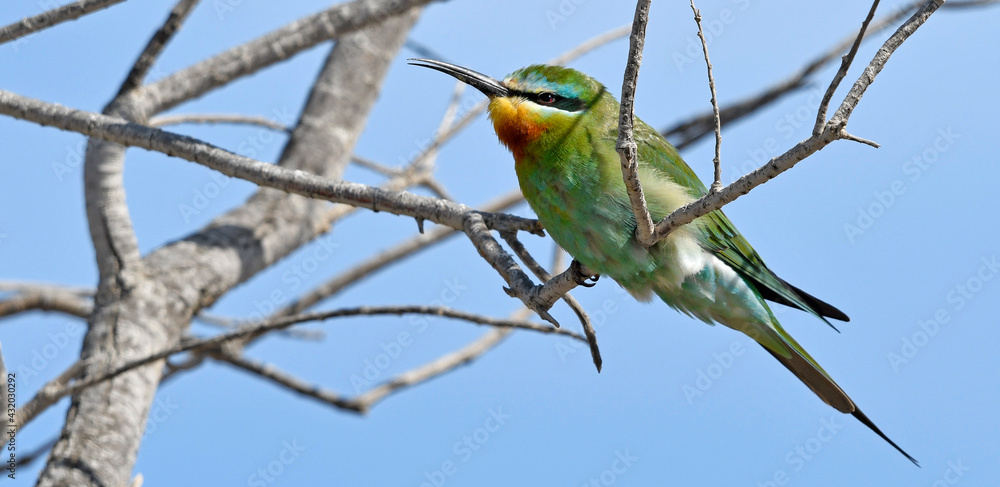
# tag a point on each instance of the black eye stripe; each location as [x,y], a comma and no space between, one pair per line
[557,101]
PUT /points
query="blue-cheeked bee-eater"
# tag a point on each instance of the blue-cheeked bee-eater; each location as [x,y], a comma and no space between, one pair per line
[561,126]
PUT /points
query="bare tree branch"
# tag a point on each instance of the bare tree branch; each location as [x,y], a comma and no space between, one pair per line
[440,366]
[268,49]
[687,132]
[591,44]
[377,166]
[364,402]
[48,395]
[59,388]
[288,381]
[545,276]
[156,45]
[232,323]
[261,173]
[52,17]
[881,57]
[625,146]
[833,130]
[49,300]
[844,64]
[383,259]
[717,183]
[164,120]
[45,297]
[104,423]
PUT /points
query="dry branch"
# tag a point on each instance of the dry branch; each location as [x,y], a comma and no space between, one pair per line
[52,17]
[625,146]
[156,45]
[545,276]
[263,174]
[833,130]
[44,297]
[164,120]
[717,119]
[59,388]
[269,49]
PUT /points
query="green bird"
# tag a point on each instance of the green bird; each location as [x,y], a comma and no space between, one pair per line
[561,126]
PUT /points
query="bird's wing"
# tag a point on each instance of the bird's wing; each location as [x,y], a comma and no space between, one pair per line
[719,235]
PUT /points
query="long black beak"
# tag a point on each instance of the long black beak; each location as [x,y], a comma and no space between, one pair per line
[489,86]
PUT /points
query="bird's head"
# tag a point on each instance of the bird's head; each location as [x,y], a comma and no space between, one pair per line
[532,104]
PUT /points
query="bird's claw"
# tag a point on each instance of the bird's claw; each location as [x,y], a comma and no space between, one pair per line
[582,276]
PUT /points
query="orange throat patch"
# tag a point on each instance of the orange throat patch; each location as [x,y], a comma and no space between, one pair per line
[516,124]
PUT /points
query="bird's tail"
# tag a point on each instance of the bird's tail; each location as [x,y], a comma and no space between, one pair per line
[809,372]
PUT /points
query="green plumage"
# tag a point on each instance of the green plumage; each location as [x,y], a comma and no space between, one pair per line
[562,127]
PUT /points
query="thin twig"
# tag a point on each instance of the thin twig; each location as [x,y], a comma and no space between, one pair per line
[437,188]
[125,133]
[231,323]
[717,183]
[844,65]
[364,402]
[164,120]
[156,45]
[54,390]
[248,58]
[689,131]
[590,45]
[904,31]
[362,270]
[46,298]
[48,395]
[288,381]
[52,17]
[625,146]
[833,130]
[545,276]
[376,166]
[445,363]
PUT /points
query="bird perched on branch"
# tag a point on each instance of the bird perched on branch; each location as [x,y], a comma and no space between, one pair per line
[562,125]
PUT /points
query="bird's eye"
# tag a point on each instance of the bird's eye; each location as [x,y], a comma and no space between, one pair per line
[546,98]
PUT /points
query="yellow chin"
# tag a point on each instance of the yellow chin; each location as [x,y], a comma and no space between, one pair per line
[515,123]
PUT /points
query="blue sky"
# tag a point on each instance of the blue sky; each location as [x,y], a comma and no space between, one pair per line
[899,238]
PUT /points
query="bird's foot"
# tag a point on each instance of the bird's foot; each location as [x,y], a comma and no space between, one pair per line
[582,275]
